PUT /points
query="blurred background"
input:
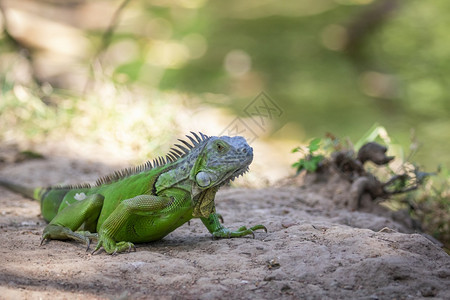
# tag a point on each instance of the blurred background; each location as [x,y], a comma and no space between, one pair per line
[133,75]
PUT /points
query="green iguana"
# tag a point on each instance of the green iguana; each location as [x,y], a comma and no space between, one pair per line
[147,202]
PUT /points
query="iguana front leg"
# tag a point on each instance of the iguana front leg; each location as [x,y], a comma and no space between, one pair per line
[143,205]
[218,231]
[84,212]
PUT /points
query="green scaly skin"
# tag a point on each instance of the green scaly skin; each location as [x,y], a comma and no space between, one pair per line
[148,202]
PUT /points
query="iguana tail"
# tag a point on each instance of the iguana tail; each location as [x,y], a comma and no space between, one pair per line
[32,193]
[49,198]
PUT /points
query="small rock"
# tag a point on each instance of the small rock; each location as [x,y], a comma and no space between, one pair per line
[285,288]
[428,291]
[273,264]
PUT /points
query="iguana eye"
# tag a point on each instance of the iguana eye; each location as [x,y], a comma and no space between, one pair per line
[220,147]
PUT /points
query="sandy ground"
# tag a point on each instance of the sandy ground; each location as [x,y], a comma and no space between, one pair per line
[315,248]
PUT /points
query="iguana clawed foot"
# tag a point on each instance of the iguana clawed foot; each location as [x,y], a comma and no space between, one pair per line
[57,232]
[242,231]
[111,247]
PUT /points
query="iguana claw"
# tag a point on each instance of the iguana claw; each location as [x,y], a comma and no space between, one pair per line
[42,241]
[257,227]
[95,250]
[242,231]
[220,218]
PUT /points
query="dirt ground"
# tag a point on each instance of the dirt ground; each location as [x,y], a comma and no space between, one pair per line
[315,248]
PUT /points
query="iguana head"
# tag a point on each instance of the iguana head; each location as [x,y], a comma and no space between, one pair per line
[220,160]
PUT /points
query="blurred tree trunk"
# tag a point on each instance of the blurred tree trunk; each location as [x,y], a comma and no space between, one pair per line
[362,27]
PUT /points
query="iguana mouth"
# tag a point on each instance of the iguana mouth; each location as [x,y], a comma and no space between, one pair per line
[239,173]
[244,169]
[233,175]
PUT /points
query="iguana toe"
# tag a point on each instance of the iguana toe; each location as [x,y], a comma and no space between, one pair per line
[113,248]
[43,239]
[124,247]
[88,245]
[242,231]
[220,217]
[96,249]
[257,227]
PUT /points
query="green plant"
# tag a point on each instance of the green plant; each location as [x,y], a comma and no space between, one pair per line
[430,205]
[426,196]
[310,160]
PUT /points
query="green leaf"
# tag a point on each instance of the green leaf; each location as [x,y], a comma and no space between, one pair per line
[375,131]
[314,145]
[310,166]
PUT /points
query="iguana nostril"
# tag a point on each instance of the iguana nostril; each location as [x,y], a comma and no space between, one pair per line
[249,151]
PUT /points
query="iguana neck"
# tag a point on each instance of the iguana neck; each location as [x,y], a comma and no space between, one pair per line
[204,203]
[175,175]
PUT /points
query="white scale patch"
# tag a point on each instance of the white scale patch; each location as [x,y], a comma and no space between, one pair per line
[80,196]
